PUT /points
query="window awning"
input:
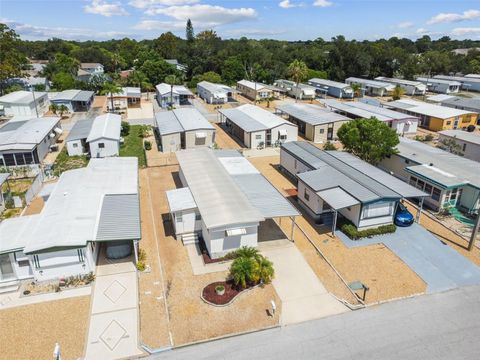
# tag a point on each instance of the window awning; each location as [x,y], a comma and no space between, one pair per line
[58,130]
[200,135]
[282,132]
[337,198]
[236,232]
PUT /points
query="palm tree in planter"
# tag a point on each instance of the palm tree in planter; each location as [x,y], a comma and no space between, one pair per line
[247,252]
[110,89]
[357,88]
[243,271]
[53,108]
[250,267]
[62,109]
[398,92]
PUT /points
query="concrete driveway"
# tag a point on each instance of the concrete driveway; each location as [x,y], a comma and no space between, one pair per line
[440,266]
[113,330]
[303,295]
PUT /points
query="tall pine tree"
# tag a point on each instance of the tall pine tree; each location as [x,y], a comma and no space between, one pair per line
[189,31]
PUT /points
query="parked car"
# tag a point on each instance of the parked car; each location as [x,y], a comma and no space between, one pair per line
[403,217]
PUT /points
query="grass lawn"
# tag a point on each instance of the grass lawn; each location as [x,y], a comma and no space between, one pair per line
[133,145]
[65,162]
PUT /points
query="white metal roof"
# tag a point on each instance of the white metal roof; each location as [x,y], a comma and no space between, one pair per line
[180,120]
[460,79]
[311,114]
[401,81]
[438,81]
[371,83]
[127,92]
[215,88]
[180,199]
[328,83]
[106,126]
[14,232]
[251,85]
[21,97]
[28,135]
[423,108]
[164,89]
[439,97]
[220,201]
[471,137]
[337,198]
[72,214]
[253,118]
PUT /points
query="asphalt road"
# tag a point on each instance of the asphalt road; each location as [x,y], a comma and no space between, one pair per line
[438,326]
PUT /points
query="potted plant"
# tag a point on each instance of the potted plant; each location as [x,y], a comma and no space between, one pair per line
[220,290]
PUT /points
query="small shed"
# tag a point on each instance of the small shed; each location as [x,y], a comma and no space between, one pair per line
[76,141]
[104,136]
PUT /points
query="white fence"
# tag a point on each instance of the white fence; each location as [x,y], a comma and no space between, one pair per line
[34,188]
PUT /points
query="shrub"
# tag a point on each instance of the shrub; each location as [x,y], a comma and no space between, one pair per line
[329,146]
[148,145]
[353,233]
[125,128]
[428,137]
[142,256]
[249,267]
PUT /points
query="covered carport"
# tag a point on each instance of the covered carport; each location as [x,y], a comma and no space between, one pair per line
[337,199]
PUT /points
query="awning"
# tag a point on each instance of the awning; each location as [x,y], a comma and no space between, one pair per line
[58,130]
[282,132]
[409,122]
[200,135]
[236,232]
[337,198]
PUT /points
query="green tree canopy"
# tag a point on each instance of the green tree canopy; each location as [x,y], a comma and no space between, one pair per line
[369,139]
[63,81]
[12,61]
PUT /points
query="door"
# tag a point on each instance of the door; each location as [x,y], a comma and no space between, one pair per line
[455,123]
[268,138]
[6,268]
[330,132]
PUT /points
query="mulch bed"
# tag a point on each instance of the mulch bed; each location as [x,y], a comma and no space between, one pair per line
[206,257]
[231,290]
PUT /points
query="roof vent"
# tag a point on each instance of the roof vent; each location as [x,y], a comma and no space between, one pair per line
[431,164]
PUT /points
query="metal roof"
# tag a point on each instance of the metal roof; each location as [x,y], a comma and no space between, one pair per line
[311,114]
[253,118]
[438,81]
[165,89]
[180,120]
[80,130]
[261,194]
[371,83]
[460,79]
[337,198]
[446,169]
[119,218]
[14,232]
[74,95]
[12,125]
[440,97]
[251,85]
[180,199]
[29,134]
[423,108]
[401,81]
[462,103]
[106,126]
[220,201]
[21,97]
[72,214]
[471,137]
[328,83]
[215,88]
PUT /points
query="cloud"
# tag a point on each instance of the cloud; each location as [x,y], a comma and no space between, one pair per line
[203,15]
[33,32]
[100,7]
[422,31]
[405,25]
[453,17]
[322,3]
[254,32]
[466,31]
[143,4]
[286,4]
[157,25]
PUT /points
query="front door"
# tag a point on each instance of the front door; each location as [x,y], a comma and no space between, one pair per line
[330,133]
[268,138]
[6,268]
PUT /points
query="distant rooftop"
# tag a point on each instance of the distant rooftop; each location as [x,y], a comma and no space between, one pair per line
[471,137]
[253,118]
[328,83]
[73,95]
[165,89]
[311,114]
[179,120]
[371,83]
[438,81]
[25,135]
[21,97]
[423,108]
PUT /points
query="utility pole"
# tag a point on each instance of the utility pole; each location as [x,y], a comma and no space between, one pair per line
[471,244]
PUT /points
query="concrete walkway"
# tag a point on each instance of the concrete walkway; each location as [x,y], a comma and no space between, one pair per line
[440,266]
[303,295]
[113,330]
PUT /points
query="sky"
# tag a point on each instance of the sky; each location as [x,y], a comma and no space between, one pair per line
[275,19]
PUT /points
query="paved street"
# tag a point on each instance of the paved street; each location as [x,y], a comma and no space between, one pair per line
[437,326]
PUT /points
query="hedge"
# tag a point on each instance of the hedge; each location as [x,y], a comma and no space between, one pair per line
[353,233]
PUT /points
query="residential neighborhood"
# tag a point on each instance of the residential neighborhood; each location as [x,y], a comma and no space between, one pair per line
[212,192]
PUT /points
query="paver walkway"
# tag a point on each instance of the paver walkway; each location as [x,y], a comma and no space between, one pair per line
[113,330]
[303,295]
[440,266]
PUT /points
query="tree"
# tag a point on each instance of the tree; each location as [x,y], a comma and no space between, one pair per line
[172,80]
[232,70]
[190,35]
[249,267]
[63,81]
[297,71]
[13,88]
[12,61]
[61,64]
[62,109]
[329,146]
[398,92]
[265,271]
[357,89]
[53,108]
[243,271]
[450,145]
[209,76]
[110,89]
[369,139]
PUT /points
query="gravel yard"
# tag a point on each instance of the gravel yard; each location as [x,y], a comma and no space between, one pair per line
[31,331]
[376,266]
[224,140]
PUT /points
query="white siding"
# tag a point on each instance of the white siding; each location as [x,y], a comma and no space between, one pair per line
[292,165]
[60,264]
[314,203]
[292,133]
[74,147]
[184,222]
[171,142]
[192,142]
[111,148]
[251,139]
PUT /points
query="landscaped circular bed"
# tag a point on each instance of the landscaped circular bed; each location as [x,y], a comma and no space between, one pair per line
[212,293]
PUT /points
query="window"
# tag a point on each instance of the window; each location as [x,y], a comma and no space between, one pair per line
[322,131]
[449,123]
[198,217]
[407,161]
[75,145]
[179,217]
[436,194]
[2,163]
[9,159]
[428,188]
[464,147]
[258,137]
[377,209]
[20,159]
[306,195]
[283,137]
[420,184]
[413,180]
[101,145]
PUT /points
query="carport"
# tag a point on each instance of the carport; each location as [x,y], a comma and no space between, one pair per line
[338,199]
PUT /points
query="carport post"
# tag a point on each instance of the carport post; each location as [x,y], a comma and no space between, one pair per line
[419,212]
[474,233]
[334,222]
[293,229]
[135,244]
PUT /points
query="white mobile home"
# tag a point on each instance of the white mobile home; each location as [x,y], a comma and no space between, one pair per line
[302,91]
[88,207]
[28,142]
[76,141]
[467,83]
[314,122]
[223,202]
[449,180]
[24,103]
[175,95]
[128,97]
[74,100]
[410,87]
[331,182]
[440,86]
[332,88]
[214,93]
[372,87]
[257,127]
[184,128]
[104,136]
[254,90]
[402,123]
[468,143]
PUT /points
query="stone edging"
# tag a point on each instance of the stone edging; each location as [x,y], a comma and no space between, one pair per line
[231,301]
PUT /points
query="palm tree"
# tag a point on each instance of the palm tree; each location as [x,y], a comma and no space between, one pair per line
[172,80]
[110,89]
[247,252]
[265,271]
[243,271]
[356,89]
[398,92]
[298,72]
[62,109]
[53,108]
